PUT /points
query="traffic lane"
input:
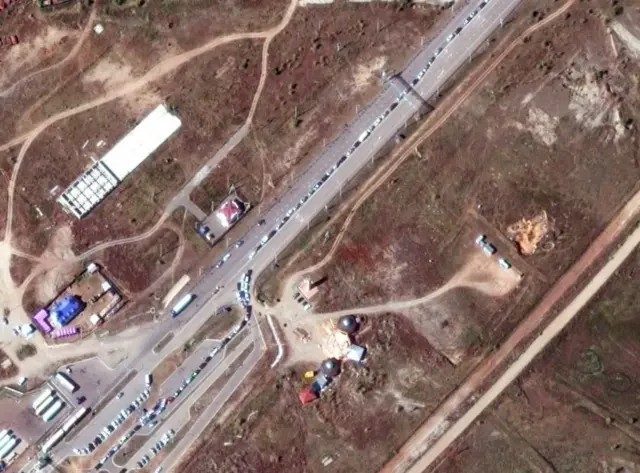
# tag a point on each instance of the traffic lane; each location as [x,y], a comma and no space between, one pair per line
[345,141]
[212,410]
[179,417]
[469,39]
[190,364]
[416,65]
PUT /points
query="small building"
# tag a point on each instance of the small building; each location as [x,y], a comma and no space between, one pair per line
[348,324]
[41,321]
[356,353]
[230,212]
[65,332]
[330,367]
[95,320]
[307,395]
[66,309]
[319,383]
[307,289]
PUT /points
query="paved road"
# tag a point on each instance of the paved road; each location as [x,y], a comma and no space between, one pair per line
[184,326]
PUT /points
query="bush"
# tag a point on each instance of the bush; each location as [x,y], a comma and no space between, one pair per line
[25,351]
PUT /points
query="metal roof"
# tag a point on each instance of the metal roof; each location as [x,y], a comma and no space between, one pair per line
[139,143]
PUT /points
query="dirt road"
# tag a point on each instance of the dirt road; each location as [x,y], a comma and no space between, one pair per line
[435,426]
[536,347]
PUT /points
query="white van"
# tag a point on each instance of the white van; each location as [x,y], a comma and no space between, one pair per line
[148,380]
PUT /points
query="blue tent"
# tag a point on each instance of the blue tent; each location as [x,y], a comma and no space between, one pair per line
[66,309]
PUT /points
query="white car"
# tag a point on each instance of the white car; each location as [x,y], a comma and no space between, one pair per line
[450,37]
[252,254]
[226,257]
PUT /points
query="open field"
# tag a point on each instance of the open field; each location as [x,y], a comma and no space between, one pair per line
[584,386]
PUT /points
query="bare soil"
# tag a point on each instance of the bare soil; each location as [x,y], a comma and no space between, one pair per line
[399,384]
[584,387]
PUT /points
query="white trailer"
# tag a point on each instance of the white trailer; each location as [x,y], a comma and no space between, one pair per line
[53,411]
[46,404]
[3,434]
[8,448]
[74,419]
[66,382]
[53,441]
[5,440]
[42,397]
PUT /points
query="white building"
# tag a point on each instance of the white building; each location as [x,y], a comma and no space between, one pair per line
[88,190]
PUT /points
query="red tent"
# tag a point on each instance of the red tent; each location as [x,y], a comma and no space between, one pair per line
[307,395]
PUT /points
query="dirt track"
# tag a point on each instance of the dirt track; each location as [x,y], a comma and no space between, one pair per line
[536,347]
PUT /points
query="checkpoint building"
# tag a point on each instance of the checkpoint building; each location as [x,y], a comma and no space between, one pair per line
[88,190]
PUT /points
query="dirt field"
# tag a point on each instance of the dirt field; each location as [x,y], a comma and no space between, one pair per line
[400,383]
[583,387]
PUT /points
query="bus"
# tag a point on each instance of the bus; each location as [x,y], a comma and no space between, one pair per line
[42,397]
[182,304]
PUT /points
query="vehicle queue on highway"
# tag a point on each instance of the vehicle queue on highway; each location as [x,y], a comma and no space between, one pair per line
[268,236]
[243,292]
[149,417]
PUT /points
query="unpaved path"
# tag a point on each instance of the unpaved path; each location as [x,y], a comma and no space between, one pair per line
[473,275]
[152,75]
[72,54]
[418,444]
[524,360]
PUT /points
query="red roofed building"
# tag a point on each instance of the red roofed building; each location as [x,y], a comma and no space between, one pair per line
[307,395]
[230,212]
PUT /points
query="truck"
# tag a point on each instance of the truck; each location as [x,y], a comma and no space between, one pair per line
[53,441]
[66,382]
[53,411]
[182,305]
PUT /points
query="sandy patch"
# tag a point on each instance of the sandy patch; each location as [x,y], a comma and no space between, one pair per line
[366,73]
[541,125]
[29,51]
[110,73]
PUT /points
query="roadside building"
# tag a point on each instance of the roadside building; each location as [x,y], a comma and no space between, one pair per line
[356,353]
[230,212]
[88,190]
[307,288]
[41,321]
[348,324]
[307,395]
[330,367]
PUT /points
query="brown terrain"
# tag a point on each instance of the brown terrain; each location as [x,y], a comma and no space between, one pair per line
[583,387]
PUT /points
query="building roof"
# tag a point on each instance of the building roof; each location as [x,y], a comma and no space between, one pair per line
[229,212]
[356,353]
[88,190]
[139,143]
[307,395]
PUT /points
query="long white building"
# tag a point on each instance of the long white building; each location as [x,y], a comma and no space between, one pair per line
[88,190]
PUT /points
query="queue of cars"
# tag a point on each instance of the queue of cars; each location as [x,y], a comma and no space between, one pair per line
[153,451]
[115,423]
[316,186]
[450,38]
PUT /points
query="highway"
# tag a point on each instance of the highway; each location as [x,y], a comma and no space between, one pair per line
[454,54]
